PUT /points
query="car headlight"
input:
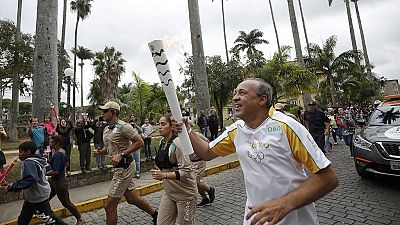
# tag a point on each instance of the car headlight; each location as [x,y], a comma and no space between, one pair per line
[360,142]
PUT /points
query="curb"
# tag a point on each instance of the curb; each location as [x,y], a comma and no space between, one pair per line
[144,190]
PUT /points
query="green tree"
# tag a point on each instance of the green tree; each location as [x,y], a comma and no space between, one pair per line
[158,101]
[325,62]
[83,54]
[247,43]
[287,78]
[82,9]
[222,79]
[94,95]
[108,66]
[8,48]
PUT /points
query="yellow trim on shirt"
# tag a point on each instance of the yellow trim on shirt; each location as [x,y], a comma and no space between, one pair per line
[225,145]
[298,149]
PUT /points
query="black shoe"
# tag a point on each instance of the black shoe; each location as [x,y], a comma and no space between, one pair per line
[204,202]
[155,215]
[211,193]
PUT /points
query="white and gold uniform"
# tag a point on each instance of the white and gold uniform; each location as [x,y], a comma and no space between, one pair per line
[273,157]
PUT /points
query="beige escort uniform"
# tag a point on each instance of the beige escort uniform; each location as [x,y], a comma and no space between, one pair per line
[179,199]
[116,140]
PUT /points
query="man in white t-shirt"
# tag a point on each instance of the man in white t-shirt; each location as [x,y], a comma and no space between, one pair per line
[273,150]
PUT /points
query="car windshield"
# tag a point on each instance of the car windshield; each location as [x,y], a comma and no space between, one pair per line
[386,115]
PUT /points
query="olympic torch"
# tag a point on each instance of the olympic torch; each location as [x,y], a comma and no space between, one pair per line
[3,175]
[160,60]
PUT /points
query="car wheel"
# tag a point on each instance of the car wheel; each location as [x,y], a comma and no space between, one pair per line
[362,173]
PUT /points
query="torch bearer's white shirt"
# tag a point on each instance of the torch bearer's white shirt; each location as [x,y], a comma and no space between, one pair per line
[273,157]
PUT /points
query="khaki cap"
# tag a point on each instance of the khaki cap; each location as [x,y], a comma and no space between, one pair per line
[110,105]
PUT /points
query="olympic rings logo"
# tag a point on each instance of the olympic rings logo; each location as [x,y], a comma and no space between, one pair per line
[256,156]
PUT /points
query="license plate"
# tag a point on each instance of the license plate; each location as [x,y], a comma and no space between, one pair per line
[395,165]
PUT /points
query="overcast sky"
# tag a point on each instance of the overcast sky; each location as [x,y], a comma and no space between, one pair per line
[129,25]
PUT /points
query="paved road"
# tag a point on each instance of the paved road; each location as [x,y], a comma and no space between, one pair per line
[355,201]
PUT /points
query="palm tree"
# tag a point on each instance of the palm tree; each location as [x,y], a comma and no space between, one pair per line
[304,27]
[61,62]
[366,58]
[248,42]
[295,32]
[287,78]
[94,95]
[276,31]
[224,28]
[324,61]
[108,66]
[13,132]
[82,9]
[200,78]
[352,36]
[45,59]
[82,53]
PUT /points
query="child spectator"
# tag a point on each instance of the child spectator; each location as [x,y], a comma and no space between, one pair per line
[49,125]
[35,187]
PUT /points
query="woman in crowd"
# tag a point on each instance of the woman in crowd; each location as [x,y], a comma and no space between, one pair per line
[64,129]
[59,183]
[174,169]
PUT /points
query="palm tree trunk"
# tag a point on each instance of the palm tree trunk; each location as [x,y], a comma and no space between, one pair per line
[1,100]
[61,65]
[13,132]
[295,32]
[304,28]
[199,67]
[352,36]
[74,78]
[367,65]
[276,31]
[45,59]
[223,25]
[333,91]
[81,64]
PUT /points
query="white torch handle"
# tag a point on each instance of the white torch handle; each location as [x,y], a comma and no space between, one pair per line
[160,60]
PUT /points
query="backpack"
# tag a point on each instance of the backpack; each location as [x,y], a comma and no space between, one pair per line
[162,155]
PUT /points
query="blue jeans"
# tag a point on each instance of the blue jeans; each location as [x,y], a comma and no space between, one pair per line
[100,159]
[136,157]
[147,147]
[348,140]
[336,132]
[203,131]
[319,138]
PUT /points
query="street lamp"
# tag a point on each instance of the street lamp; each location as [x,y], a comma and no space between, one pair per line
[68,74]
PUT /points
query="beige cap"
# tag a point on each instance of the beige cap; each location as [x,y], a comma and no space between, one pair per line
[279,106]
[110,105]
